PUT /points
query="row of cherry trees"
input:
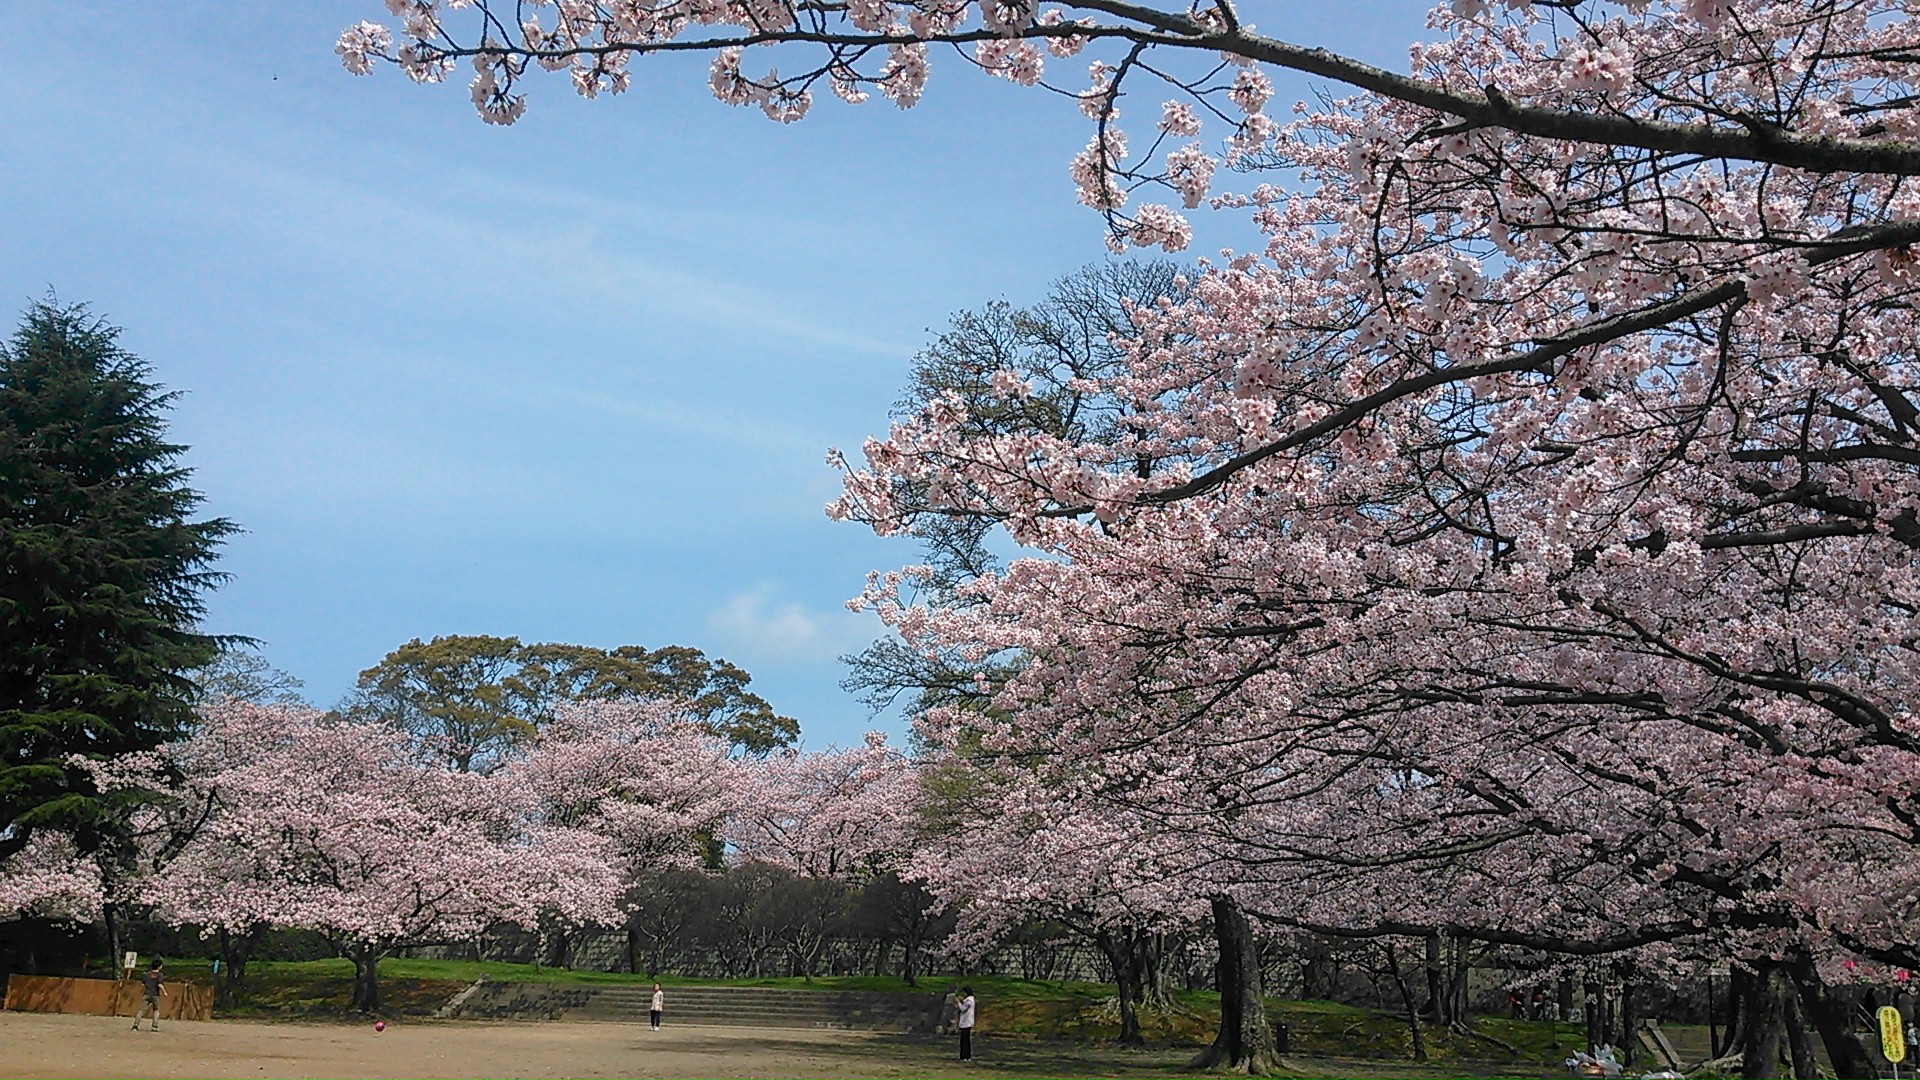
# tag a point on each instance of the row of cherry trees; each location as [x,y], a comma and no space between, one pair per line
[1517,544]
[283,817]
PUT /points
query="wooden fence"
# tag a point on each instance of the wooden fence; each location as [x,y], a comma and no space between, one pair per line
[105,997]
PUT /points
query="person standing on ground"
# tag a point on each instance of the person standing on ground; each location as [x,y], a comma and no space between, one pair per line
[152,985]
[658,1006]
[964,1021]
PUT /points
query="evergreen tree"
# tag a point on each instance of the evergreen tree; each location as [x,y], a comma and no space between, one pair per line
[102,572]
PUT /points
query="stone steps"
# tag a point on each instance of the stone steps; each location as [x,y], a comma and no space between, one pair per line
[704,1005]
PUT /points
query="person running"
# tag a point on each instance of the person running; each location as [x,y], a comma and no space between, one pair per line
[964,1021]
[658,1006]
[152,985]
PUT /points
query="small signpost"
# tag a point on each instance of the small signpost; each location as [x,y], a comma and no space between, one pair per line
[1893,1038]
[128,962]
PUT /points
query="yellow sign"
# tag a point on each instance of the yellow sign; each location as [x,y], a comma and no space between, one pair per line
[1893,1039]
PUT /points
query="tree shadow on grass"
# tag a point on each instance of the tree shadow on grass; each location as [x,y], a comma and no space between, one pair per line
[1010,1057]
[919,1055]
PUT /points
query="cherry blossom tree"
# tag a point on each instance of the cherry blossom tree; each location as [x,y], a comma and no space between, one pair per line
[841,822]
[1461,686]
[1007,845]
[278,816]
[642,783]
[1687,80]
[343,829]
[1544,482]
[50,878]
[837,813]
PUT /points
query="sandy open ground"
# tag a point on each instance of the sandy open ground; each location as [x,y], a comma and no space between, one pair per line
[49,1045]
[40,1044]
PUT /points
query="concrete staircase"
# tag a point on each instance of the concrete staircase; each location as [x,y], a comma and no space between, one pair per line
[727,1006]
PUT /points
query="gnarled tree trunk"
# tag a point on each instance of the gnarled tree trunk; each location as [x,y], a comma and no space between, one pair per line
[1154,986]
[1763,1009]
[1117,947]
[1829,1017]
[1436,1009]
[235,950]
[1798,1042]
[1245,1041]
[366,977]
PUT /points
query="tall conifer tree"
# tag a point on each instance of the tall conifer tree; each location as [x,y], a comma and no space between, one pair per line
[102,569]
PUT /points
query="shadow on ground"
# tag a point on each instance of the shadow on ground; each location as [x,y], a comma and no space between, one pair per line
[1017,1057]
[993,1056]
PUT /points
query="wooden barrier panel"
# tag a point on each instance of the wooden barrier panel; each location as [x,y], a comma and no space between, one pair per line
[105,997]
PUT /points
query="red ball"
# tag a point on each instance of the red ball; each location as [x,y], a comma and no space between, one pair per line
[379,1025]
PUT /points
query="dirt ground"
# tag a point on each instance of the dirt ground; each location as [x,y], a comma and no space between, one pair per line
[46,1045]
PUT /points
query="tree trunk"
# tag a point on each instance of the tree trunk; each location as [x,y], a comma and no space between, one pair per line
[1155,988]
[1436,966]
[1829,1017]
[1117,948]
[1457,985]
[1713,1020]
[235,949]
[1739,988]
[366,978]
[1595,995]
[1763,1016]
[1406,995]
[115,916]
[1316,979]
[1609,1011]
[1245,1041]
[1804,1066]
[1629,1024]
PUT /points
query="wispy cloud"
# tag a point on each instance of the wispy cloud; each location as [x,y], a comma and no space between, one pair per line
[758,621]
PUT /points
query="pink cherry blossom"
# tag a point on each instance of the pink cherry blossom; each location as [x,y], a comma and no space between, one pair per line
[50,878]
[1520,539]
[832,813]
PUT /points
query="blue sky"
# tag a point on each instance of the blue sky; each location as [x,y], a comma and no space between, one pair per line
[571,380]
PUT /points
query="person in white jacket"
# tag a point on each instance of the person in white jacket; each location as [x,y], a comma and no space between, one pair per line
[963,1020]
[658,1006]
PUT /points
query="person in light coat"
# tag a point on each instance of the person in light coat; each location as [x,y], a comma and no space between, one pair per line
[963,1020]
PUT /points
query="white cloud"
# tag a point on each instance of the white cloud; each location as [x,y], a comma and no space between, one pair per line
[756,621]
[760,627]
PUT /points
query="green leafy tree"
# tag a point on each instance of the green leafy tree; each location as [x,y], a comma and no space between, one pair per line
[716,692]
[473,696]
[102,571]
[453,692]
